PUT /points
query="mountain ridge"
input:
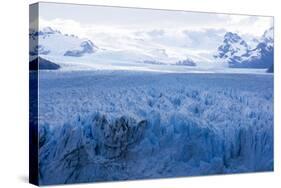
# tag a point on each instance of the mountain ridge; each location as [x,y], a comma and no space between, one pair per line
[48,41]
[238,54]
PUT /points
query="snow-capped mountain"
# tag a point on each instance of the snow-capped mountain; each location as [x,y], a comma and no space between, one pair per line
[266,49]
[66,49]
[52,42]
[238,54]
[119,52]
[233,47]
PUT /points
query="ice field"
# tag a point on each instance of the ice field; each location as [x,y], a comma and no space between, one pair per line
[120,125]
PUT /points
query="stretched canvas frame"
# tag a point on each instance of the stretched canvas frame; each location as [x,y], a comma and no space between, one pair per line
[128,93]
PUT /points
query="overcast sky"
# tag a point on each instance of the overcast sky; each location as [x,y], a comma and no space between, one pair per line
[84,16]
[135,29]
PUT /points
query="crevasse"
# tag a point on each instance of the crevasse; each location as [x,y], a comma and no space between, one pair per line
[95,148]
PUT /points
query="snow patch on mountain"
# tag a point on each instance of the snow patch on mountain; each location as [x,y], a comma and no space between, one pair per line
[85,47]
[139,50]
[48,41]
[238,54]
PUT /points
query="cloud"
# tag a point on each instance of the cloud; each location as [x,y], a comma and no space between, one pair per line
[177,32]
[249,25]
[198,34]
[101,17]
[205,39]
[64,25]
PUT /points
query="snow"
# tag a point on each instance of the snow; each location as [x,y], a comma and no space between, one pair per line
[236,52]
[114,61]
[139,108]
[151,46]
[58,44]
[117,125]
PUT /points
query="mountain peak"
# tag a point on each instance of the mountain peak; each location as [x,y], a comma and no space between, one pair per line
[233,45]
[267,38]
[53,42]
[86,46]
[230,37]
[236,52]
[268,33]
[48,30]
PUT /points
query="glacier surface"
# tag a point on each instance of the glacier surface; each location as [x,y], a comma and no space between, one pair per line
[119,125]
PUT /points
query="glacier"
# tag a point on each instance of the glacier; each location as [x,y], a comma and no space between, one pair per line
[120,125]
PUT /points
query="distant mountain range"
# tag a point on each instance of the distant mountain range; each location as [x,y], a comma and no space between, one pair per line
[234,51]
[186,62]
[53,42]
[238,54]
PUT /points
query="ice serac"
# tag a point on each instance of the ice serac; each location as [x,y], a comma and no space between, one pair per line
[98,149]
[238,54]
[143,125]
[86,146]
[54,43]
